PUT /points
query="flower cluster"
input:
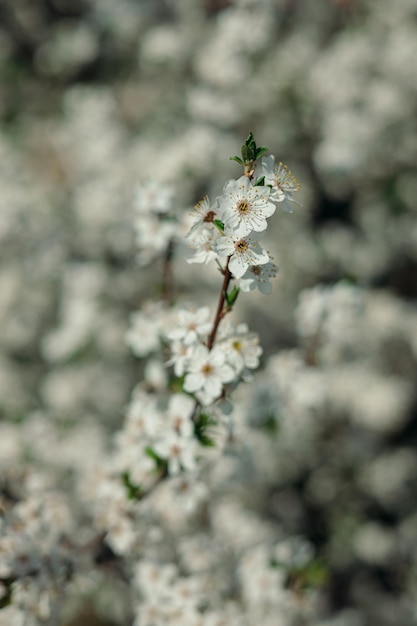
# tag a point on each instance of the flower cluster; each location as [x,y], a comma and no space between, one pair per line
[231,227]
[207,357]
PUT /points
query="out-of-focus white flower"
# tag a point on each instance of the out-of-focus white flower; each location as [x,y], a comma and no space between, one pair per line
[153,236]
[262,585]
[283,182]
[244,207]
[203,242]
[178,414]
[294,552]
[153,197]
[180,357]
[188,491]
[179,451]
[191,326]
[203,213]
[145,329]
[244,251]
[143,417]
[162,45]
[242,348]
[258,276]
[207,372]
[154,579]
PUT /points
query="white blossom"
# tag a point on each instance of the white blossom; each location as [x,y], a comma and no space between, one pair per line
[179,451]
[242,348]
[191,325]
[244,252]
[258,276]
[153,197]
[203,242]
[180,357]
[179,413]
[207,372]
[244,207]
[283,183]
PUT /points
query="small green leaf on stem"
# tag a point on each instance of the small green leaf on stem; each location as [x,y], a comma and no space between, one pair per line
[160,463]
[133,491]
[260,151]
[232,296]
[219,225]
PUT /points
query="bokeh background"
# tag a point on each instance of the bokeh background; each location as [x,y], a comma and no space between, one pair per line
[99,96]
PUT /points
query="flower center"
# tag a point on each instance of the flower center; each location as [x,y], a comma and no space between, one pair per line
[255,269]
[209,216]
[241,245]
[243,207]
[207,369]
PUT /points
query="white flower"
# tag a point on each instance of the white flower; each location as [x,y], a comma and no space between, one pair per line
[245,252]
[205,214]
[191,325]
[243,207]
[143,418]
[203,241]
[153,197]
[188,491]
[145,327]
[154,580]
[180,357]
[179,451]
[207,372]
[179,413]
[258,276]
[283,183]
[153,235]
[242,348]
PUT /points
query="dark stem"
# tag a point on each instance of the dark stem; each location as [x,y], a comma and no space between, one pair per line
[167,287]
[220,313]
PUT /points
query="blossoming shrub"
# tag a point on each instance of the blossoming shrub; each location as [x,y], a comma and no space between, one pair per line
[299,504]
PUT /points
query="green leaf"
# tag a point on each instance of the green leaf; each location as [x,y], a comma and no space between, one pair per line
[232,296]
[260,182]
[249,139]
[246,153]
[237,159]
[159,461]
[200,428]
[219,225]
[260,151]
[134,491]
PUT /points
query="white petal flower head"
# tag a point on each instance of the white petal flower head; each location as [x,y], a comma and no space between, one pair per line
[283,182]
[203,213]
[243,349]
[180,357]
[207,372]
[258,276]
[191,326]
[153,197]
[143,334]
[180,452]
[203,242]
[143,418]
[244,207]
[152,236]
[245,252]
[179,413]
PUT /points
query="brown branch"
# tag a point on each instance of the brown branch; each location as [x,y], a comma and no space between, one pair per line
[220,313]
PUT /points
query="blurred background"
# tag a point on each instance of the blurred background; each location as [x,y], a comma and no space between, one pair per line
[98,96]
